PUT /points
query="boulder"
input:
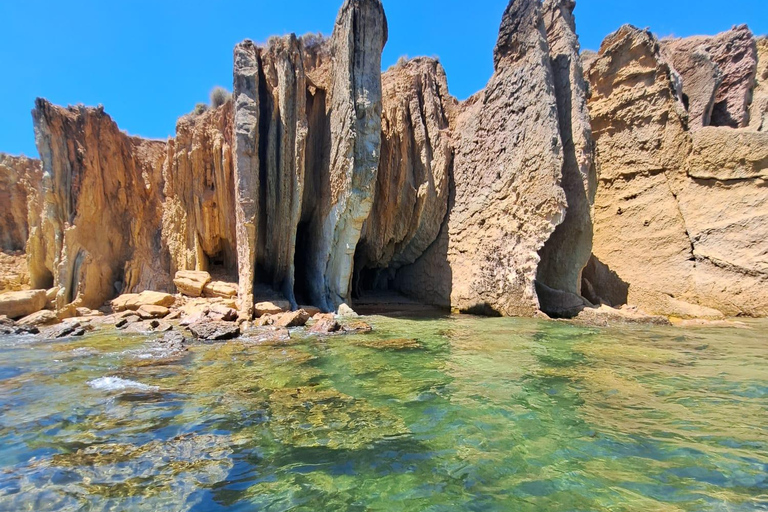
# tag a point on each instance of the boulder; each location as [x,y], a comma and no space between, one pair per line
[220,289]
[23,303]
[271,308]
[134,301]
[191,282]
[292,319]
[215,330]
[311,310]
[325,326]
[346,311]
[223,313]
[148,312]
[43,317]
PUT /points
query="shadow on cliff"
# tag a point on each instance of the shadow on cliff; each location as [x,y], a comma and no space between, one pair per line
[601,284]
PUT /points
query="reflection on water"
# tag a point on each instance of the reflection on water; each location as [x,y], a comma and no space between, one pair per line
[423,414]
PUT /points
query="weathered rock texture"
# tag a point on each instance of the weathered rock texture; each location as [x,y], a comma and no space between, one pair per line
[198,225]
[411,196]
[718,75]
[507,169]
[681,216]
[20,179]
[758,113]
[566,253]
[321,172]
[308,130]
[101,208]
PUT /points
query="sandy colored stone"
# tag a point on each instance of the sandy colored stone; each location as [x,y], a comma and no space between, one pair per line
[14,273]
[681,216]
[20,178]
[133,301]
[44,317]
[148,312]
[271,308]
[292,319]
[198,226]
[21,303]
[567,251]
[220,289]
[507,171]
[758,112]
[191,282]
[95,175]
[413,179]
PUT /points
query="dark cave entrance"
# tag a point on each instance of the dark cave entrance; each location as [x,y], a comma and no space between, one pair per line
[301,264]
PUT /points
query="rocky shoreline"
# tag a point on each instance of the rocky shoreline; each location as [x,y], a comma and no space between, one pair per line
[624,185]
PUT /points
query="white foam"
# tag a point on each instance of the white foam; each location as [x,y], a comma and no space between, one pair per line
[118,384]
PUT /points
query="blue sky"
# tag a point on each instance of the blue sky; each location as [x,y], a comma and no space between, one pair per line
[150,61]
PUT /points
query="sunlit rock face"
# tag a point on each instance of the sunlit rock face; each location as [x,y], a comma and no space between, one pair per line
[681,210]
[198,225]
[307,148]
[411,194]
[20,179]
[507,168]
[100,217]
[635,175]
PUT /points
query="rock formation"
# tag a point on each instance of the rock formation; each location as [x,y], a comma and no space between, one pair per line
[294,103]
[680,216]
[411,196]
[198,225]
[641,184]
[506,173]
[20,178]
[566,253]
[758,113]
[101,208]
[718,75]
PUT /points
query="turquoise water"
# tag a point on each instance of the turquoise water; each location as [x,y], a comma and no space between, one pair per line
[443,414]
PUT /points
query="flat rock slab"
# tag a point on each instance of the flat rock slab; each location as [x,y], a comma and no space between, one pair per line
[191,282]
[44,317]
[215,331]
[21,304]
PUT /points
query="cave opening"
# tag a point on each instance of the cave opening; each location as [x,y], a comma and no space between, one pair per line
[301,264]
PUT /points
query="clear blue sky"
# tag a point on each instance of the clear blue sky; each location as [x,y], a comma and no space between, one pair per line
[150,61]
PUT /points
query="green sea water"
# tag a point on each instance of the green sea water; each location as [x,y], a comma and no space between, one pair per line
[436,414]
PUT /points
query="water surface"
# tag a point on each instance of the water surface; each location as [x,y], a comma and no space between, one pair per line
[442,414]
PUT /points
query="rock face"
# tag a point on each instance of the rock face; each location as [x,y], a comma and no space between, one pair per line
[322,179]
[758,113]
[680,220]
[507,169]
[306,154]
[411,196]
[566,253]
[20,179]
[718,75]
[198,225]
[101,208]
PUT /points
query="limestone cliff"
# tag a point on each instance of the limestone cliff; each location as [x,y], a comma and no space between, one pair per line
[506,172]
[100,208]
[322,176]
[569,248]
[198,223]
[308,130]
[680,220]
[411,195]
[20,179]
